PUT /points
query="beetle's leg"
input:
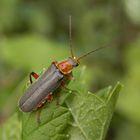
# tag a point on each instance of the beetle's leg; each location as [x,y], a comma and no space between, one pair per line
[57,99]
[70,76]
[41,105]
[49,97]
[38,116]
[35,75]
[63,85]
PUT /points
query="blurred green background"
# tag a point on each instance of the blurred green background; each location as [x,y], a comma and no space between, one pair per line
[35,33]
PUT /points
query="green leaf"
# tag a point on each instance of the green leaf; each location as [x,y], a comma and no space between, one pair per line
[129,101]
[11,130]
[132,8]
[80,116]
[54,121]
[91,114]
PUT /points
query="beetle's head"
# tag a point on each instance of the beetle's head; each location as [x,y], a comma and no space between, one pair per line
[73,61]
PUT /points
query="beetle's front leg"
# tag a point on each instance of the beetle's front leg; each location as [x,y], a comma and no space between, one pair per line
[70,76]
[62,86]
[35,75]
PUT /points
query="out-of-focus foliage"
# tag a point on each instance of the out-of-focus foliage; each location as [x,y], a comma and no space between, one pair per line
[129,100]
[132,8]
[35,33]
[11,130]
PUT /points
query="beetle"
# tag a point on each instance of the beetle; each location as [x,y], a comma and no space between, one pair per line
[43,89]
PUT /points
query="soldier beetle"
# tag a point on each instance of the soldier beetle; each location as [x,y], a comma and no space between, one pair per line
[43,89]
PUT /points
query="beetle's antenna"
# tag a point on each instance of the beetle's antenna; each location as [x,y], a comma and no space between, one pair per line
[81,57]
[70,39]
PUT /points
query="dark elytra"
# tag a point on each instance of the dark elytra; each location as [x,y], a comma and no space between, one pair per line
[48,82]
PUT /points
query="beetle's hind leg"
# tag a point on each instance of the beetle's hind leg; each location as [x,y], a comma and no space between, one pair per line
[41,106]
[38,116]
[63,86]
[33,74]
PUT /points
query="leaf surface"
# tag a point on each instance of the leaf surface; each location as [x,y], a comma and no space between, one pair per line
[81,116]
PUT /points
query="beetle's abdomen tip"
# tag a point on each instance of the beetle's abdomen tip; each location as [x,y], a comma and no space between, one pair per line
[23,108]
